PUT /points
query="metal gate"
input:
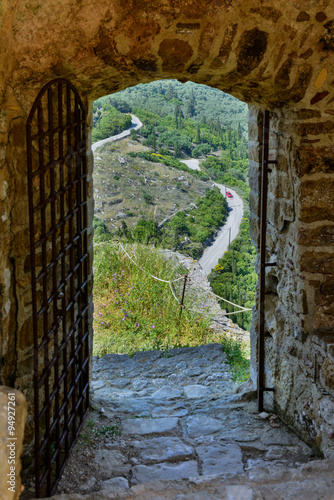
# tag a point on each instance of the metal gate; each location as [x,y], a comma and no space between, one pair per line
[57,176]
[261,388]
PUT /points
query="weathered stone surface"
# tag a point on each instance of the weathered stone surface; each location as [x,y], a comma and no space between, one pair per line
[322,235]
[143,473]
[327,410]
[166,392]
[163,449]
[175,53]
[196,391]
[120,382]
[317,262]
[201,425]
[173,411]
[149,426]
[115,482]
[112,463]
[278,436]
[251,50]
[218,459]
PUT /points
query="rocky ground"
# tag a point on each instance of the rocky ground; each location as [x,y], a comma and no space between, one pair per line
[122,184]
[174,416]
[198,296]
[174,425]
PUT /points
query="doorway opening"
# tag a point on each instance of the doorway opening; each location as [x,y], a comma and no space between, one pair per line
[178,180]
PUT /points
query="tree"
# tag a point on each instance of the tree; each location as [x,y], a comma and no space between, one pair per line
[176,148]
[144,231]
[169,93]
[198,134]
[191,104]
[177,114]
[239,131]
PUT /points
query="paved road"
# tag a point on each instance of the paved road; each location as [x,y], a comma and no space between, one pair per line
[193,164]
[214,252]
[136,124]
[227,233]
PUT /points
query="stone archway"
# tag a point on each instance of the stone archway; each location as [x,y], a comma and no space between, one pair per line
[274,57]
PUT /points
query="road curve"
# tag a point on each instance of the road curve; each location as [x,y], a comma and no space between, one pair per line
[136,124]
[228,232]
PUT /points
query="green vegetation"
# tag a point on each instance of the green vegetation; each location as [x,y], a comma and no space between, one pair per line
[234,277]
[132,311]
[179,101]
[169,161]
[180,121]
[208,214]
[238,357]
[108,120]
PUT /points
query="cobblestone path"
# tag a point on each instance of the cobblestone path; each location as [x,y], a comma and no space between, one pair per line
[180,416]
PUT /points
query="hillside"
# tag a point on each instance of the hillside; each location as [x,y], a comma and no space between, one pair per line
[200,102]
[144,194]
[131,188]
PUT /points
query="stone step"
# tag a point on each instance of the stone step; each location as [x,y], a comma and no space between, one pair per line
[312,481]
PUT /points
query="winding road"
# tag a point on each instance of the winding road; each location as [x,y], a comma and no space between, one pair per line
[228,232]
[230,229]
[136,124]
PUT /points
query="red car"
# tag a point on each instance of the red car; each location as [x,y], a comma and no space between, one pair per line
[229,194]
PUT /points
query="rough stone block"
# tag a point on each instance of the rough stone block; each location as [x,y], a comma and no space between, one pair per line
[314,160]
[220,459]
[162,449]
[144,473]
[115,482]
[316,200]
[317,262]
[196,391]
[112,463]
[200,425]
[322,235]
[149,426]
[327,373]
[166,392]
[327,410]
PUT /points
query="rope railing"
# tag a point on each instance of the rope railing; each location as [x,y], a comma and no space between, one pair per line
[170,282]
[243,309]
[220,298]
[144,270]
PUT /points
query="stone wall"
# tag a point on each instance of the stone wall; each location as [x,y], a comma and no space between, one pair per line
[272,55]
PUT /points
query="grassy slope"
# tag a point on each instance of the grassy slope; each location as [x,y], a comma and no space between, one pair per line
[134,312]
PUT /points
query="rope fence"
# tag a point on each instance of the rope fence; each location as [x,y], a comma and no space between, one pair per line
[184,278]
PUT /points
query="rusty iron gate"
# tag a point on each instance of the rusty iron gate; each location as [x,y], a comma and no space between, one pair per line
[57,177]
[261,386]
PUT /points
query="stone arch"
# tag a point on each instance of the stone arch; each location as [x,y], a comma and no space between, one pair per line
[274,57]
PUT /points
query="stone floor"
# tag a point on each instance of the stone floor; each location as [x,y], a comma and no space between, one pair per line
[184,422]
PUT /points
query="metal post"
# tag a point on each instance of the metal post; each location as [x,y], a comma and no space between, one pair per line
[263,230]
[183,293]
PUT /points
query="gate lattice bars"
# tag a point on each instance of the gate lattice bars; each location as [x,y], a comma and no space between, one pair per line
[57,176]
